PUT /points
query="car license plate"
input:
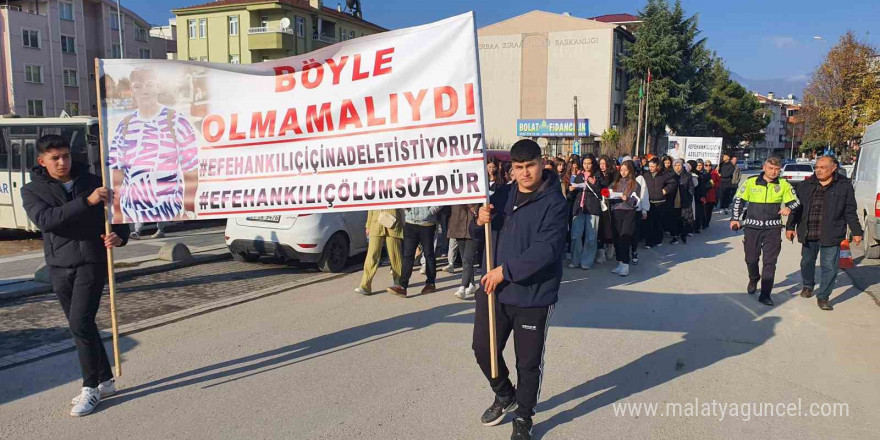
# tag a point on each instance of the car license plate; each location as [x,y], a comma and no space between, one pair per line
[265,218]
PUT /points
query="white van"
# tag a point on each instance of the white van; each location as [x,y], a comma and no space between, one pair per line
[865,180]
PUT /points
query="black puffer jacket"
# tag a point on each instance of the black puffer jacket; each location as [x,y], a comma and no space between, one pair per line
[71,228]
[656,185]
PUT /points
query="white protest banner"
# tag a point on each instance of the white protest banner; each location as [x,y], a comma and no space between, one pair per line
[384,121]
[693,148]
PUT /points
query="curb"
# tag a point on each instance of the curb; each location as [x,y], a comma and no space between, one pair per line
[35,354]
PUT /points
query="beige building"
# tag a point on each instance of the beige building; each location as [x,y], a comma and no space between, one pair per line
[534,66]
[250,31]
[776,141]
[49,48]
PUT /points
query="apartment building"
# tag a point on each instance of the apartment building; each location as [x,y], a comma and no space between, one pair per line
[169,34]
[49,48]
[776,140]
[250,31]
[534,65]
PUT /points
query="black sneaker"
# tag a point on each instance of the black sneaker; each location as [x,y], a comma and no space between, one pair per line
[522,429]
[765,299]
[495,413]
[635,258]
[674,240]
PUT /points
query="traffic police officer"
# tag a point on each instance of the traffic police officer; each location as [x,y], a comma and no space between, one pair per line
[756,208]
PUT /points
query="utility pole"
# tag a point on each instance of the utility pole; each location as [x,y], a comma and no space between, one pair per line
[576,138]
[119,19]
[639,126]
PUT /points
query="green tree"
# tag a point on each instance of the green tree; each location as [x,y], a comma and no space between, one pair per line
[730,111]
[667,43]
[843,96]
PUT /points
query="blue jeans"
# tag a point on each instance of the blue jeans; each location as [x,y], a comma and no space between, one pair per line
[829,257]
[584,239]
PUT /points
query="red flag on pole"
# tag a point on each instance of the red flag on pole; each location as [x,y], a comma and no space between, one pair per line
[649,75]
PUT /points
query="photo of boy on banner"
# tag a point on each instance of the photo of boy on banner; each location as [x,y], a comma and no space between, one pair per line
[153,155]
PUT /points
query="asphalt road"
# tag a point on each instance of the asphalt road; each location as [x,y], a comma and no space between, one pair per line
[322,362]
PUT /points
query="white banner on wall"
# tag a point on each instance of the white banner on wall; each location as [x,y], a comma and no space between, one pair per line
[384,121]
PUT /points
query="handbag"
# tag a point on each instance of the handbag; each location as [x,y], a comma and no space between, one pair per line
[602,204]
[387,219]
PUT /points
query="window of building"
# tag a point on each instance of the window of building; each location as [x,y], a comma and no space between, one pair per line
[72,108]
[140,33]
[618,79]
[203,28]
[192,29]
[4,156]
[30,38]
[300,27]
[65,10]
[616,115]
[264,21]
[234,59]
[145,54]
[265,58]
[69,77]
[33,74]
[68,44]
[233,25]
[115,51]
[114,20]
[35,107]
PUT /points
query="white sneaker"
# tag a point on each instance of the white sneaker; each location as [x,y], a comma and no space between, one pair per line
[472,289]
[450,268]
[610,254]
[106,389]
[600,257]
[361,291]
[158,234]
[461,293]
[624,270]
[571,265]
[618,268]
[87,401]
[423,270]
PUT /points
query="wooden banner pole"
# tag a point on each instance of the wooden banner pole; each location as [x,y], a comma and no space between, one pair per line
[493,337]
[111,272]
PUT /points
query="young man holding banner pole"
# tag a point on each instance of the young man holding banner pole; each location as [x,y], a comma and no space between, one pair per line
[530,219]
[67,203]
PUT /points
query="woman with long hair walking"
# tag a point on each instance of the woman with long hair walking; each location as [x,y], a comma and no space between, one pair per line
[624,200]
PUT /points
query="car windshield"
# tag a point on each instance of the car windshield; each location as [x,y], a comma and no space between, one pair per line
[799,168]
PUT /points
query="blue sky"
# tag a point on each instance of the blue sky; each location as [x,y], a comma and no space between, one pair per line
[758,39]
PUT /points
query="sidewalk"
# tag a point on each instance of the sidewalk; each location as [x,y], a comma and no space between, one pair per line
[136,258]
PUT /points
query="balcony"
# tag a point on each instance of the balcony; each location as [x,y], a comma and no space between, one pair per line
[323,38]
[270,37]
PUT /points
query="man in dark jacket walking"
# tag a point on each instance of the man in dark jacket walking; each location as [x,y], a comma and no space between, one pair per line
[660,184]
[531,219]
[727,169]
[67,203]
[828,206]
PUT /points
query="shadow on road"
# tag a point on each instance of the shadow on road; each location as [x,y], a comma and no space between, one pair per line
[259,363]
[25,383]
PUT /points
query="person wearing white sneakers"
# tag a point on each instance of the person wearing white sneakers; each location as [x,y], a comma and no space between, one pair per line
[67,203]
[459,228]
[624,200]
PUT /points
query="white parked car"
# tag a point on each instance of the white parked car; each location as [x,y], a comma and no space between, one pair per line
[326,239]
[867,186]
[795,173]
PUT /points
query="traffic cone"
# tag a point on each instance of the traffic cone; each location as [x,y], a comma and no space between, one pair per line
[846,261]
